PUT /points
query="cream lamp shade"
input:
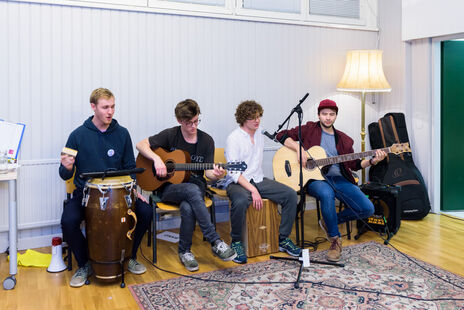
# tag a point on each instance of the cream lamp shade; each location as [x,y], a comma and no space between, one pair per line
[364,72]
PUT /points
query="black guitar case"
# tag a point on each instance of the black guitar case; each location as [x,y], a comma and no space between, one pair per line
[399,170]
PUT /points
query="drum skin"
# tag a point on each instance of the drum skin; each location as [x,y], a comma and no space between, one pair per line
[107,229]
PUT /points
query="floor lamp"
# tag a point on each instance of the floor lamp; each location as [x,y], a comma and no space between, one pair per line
[364,74]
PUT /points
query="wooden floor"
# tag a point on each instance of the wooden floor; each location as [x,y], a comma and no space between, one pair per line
[438,240]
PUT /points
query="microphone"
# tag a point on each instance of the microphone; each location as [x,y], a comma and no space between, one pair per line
[267,134]
[304,98]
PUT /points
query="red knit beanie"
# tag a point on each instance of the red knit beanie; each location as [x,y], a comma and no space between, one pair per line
[327,104]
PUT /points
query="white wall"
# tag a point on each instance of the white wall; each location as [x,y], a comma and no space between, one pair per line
[408,67]
[51,57]
[431,18]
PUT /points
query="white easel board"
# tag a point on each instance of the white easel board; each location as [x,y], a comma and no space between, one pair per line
[11,135]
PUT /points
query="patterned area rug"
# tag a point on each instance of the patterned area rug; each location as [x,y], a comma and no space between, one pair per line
[369,268]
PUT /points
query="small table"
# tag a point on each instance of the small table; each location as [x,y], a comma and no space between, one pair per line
[10,282]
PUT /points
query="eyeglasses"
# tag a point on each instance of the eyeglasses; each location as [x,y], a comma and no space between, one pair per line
[191,123]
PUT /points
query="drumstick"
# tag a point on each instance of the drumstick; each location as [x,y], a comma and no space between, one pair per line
[68,151]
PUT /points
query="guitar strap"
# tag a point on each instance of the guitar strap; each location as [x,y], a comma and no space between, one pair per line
[396,134]
[383,138]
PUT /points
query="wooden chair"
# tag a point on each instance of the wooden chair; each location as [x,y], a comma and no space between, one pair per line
[161,208]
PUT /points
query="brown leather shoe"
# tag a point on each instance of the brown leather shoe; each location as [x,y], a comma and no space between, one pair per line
[335,250]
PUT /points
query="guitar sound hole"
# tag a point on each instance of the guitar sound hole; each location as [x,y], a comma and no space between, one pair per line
[170,169]
[288,168]
[310,164]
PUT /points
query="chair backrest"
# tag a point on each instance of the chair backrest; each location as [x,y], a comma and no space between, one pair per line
[70,186]
[219,156]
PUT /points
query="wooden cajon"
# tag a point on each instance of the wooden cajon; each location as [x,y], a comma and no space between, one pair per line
[261,230]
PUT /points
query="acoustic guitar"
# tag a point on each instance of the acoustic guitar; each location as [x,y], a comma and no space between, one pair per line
[287,169]
[178,168]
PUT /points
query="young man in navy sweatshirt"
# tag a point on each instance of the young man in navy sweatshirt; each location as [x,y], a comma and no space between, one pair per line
[101,143]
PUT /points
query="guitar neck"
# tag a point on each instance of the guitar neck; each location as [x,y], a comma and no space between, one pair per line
[347,157]
[197,166]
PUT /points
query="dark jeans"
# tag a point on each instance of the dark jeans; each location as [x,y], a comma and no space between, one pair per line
[192,206]
[358,205]
[74,214]
[279,193]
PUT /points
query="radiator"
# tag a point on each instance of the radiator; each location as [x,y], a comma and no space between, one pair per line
[40,194]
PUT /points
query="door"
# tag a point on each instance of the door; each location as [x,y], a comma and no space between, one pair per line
[452,125]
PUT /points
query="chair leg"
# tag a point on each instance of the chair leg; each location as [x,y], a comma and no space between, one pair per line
[152,234]
[213,214]
[68,249]
[149,233]
[155,258]
[69,258]
[348,228]
[318,207]
[150,201]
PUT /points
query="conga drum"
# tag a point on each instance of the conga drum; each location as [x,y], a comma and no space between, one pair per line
[110,220]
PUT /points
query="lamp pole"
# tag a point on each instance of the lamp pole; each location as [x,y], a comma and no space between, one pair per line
[363,131]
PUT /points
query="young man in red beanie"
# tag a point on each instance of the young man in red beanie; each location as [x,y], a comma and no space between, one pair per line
[335,143]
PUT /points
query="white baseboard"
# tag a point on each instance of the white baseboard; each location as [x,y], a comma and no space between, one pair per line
[30,243]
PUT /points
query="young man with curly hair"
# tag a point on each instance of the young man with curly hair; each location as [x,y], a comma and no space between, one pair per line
[246,144]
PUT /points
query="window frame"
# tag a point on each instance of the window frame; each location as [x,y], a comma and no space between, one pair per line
[233,9]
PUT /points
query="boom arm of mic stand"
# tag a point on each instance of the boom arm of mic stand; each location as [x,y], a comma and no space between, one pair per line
[295,109]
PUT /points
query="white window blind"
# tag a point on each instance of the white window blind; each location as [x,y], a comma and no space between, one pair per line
[336,8]
[287,6]
[205,2]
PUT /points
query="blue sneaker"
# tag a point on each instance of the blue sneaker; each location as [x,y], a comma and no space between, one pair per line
[288,246]
[241,256]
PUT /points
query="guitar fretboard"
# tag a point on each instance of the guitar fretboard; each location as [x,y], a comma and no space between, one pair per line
[197,166]
[347,157]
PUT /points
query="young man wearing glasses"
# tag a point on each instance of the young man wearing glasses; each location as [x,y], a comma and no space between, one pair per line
[188,195]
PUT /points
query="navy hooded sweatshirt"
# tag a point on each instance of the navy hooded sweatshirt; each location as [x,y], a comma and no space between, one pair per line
[98,151]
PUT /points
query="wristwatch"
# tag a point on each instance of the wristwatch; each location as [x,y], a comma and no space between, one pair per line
[371,162]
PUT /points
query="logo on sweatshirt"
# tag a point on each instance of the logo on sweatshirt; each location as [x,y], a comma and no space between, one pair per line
[110,152]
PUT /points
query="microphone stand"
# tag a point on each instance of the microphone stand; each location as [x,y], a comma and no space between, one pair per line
[304,260]
[301,204]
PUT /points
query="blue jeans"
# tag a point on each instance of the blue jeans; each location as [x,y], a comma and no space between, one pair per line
[358,205]
[192,206]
